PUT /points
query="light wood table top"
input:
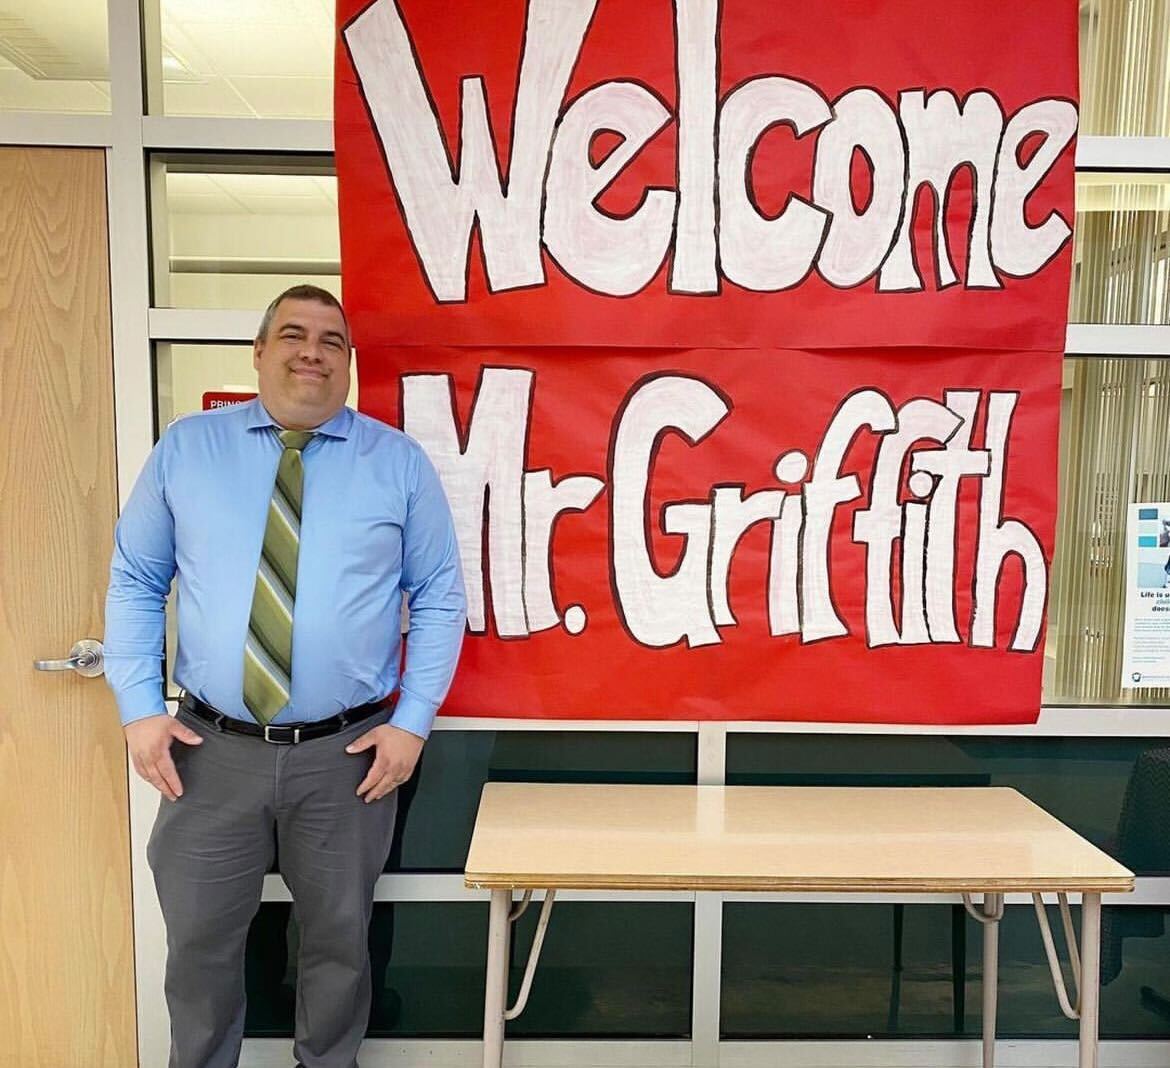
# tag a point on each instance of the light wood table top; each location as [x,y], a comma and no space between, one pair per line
[778,838]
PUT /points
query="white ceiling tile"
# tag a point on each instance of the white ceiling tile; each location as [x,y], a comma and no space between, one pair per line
[212,96]
[290,205]
[215,204]
[252,194]
[237,202]
[19,92]
[275,49]
[56,39]
[328,186]
[269,185]
[180,183]
[1118,192]
[243,13]
[283,98]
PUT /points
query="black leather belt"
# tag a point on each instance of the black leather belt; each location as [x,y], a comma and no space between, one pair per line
[279,733]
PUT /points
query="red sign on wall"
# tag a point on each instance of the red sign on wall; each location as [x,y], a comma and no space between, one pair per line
[735,340]
[224,400]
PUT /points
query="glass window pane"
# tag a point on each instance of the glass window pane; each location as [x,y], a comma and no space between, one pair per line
[861,971]
[192,378]
[54,56]
[1121,258]
[1115,449]
[1114,791]
[439,804]
[249,58]
[608,969]
[197,376]
[235,239]
[1125,46]
[272,58]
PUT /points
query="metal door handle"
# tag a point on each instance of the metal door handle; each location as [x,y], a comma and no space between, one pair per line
[86,658]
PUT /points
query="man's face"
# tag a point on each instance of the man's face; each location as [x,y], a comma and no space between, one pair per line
[303,364]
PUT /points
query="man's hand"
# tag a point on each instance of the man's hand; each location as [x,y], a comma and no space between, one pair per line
[149,742]
[397,753]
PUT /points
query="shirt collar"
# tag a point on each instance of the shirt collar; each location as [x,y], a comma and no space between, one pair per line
[336,427]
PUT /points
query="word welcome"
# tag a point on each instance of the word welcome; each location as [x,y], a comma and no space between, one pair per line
[710,225]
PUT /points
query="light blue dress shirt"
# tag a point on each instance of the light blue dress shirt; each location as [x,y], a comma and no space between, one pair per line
[375,525]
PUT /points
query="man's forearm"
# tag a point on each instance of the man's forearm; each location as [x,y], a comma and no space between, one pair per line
[140,578]
[432,652]
[135,630]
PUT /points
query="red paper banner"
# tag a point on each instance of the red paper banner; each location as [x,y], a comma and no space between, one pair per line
[734,337]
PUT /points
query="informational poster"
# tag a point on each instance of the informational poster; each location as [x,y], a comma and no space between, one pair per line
[734,333]
[1145,659]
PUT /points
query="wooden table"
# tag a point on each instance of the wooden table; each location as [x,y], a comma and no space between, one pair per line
[968,841]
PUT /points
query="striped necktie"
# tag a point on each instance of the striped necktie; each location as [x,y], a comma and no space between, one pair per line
[268,649]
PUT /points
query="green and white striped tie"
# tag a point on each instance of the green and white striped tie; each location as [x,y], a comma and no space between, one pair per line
[268,649]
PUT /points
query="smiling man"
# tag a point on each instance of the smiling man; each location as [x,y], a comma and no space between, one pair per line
[294,527]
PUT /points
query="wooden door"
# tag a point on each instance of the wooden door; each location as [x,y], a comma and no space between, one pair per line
[66,949]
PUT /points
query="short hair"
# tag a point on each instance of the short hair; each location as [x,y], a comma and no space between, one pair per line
[304,291]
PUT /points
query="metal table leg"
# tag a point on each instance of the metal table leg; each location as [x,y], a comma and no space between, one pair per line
[496,992]
[1090,971]
[993,910]
[989,916]
[496,1013]
[1086,968]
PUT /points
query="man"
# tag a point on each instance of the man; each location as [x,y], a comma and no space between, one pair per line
[294,525]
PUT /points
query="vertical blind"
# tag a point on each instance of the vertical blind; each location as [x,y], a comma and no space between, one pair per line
[1125,81]
[1120,253]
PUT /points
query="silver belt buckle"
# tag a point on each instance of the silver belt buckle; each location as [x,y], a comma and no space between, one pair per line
[296,738]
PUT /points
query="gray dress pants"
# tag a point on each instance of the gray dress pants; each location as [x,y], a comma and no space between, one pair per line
[209,852]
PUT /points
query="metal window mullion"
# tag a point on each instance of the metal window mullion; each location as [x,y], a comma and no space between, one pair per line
[134,436]
[215,134]
[1119,341]
[47,130]
[1056,721]
[707,959]
[152,68]
[232,134]
[230,324]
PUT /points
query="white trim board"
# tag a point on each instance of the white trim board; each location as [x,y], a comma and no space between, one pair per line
[467,1053]
[211,134]
[52,129]
[233,324]
[672,1053]
[1099,339]
[230,134]
[1095,153]
[1087,721]
[957,1053]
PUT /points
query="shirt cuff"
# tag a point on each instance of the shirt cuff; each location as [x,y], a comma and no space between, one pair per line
[413,714]
[141,700]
